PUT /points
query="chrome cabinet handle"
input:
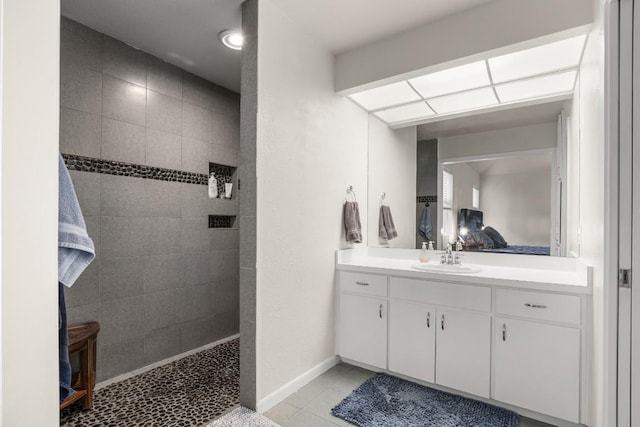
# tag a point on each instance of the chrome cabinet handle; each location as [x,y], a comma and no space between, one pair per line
[535,305]
[380,311]
[442,322]
[504,332]
[362,283]
[429,320]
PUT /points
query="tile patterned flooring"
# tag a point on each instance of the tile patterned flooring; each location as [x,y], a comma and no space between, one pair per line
[311,405]
[192,391]
[189,392]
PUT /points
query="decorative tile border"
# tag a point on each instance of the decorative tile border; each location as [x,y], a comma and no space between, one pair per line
[111,167]
[427,199]
[223,173]
[221,221]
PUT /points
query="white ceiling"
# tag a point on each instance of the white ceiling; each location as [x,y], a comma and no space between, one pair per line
[523,116]
[185,33]
[513,165]
[342,25]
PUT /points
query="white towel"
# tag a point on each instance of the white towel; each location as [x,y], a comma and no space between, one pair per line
[75,247]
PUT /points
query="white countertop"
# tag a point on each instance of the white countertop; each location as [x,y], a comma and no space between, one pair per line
[508,270]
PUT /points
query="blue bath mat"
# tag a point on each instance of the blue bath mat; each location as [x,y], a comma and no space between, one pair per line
[385,401]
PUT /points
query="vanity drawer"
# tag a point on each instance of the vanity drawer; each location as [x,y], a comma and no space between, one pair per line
[538,305]
[369,284]
[449,294]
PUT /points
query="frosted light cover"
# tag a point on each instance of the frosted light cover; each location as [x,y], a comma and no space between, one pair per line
[386,96]
[469,76]
[464,101]
[537,60]
[404,113]
[539,87]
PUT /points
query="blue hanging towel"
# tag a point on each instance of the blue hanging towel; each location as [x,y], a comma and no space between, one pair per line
[425,223]
[75,252]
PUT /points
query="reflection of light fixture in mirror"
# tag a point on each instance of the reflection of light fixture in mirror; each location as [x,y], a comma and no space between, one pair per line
[464,231]
[386,96]
[232,39]
[405,113]
[537,60]
[469,76]
[464,101]
[537,87]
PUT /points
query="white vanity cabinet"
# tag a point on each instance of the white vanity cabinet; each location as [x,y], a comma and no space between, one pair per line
[463,351]
[537,356]
[435,336]
[363,318]
[412,339]
[516,333]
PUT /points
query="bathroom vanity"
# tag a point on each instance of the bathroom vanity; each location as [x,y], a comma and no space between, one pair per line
[517,332]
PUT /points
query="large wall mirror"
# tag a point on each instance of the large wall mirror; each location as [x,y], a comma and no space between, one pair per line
[497,157]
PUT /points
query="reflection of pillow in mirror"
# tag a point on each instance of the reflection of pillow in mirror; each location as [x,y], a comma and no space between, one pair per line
[481,239]
[498,240]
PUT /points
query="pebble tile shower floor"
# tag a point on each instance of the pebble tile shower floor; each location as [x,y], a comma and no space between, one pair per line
[188,392]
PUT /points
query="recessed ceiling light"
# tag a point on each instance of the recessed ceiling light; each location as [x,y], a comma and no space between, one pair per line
[386,96]
[469,76]
[232,39]
[464,101]
[405,113]
[554,84]
[537,60]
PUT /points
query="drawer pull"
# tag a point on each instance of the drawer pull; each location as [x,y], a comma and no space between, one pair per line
[362,283]
[442,322]
[429,320]
[504,332]
[380,311]
[535,305]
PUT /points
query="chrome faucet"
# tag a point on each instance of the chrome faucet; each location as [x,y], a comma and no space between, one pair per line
[448,257]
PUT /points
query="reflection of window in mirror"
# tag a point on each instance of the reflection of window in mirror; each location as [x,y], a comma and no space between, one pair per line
[447,207]
[476,198]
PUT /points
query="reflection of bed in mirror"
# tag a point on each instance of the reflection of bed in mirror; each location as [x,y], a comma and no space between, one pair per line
[479,237]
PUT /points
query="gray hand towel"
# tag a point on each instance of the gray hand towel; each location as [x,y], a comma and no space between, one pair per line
[352,226]
[425,223]
[386,227]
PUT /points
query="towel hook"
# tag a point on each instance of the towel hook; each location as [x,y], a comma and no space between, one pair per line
[350,191]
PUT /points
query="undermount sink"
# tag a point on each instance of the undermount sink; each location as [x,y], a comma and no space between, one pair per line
[447,268]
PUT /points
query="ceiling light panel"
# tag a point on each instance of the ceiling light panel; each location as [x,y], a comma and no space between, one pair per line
[386,96]
[554,84]
[464,101]
[405,113]
[538,60]
[469,76]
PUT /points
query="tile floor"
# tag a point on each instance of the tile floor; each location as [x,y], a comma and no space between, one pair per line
[311,405]
[191,391]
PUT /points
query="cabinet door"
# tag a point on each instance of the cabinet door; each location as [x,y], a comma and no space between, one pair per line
[537,366]
[463,351]
[363,329]
[412,340]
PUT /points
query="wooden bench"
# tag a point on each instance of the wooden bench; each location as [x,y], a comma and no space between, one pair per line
[83,339]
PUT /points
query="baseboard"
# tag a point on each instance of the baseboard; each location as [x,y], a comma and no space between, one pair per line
[147,368]
[295,384]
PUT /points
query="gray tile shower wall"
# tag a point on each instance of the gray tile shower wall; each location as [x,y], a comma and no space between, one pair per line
[163,282]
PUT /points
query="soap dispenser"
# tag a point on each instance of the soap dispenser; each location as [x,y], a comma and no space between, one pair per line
[423,253]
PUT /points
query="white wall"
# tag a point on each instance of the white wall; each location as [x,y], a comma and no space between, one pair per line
[589,109]
[311,144]
[465,179]
[392,170]
[522,138]
[518,206]
[29,82]
[489,27]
